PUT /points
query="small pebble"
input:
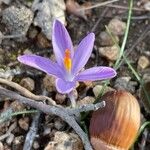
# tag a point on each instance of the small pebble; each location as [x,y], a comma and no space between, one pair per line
[10,139]
[106,40]
[60,98]
[117,27]
[59,124]
[36,145]
[24,123]
[124,83]
[97,89]
[16,106]
[42,41]
[143,62]
[28,83]
[86,100]
[49,83]
[27,52]
[17,20]
[65,141]
[32,33]
[110,53]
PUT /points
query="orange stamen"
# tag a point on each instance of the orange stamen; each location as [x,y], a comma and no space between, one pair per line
[67,60]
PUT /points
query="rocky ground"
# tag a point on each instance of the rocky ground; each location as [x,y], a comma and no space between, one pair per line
[25,28]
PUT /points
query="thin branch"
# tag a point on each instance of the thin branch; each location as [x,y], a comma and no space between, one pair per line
[85,108]
[98,5]
[12,36]
[25,92]
[58,111]
[8,133]
[124,7]
[32,132]
[99,19]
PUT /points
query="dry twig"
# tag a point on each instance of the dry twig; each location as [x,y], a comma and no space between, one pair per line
[99,20]
[25,92]
[98,5]
[11,36]
[85,108]
[32,132]
[124,7]
[58,111]
[142,36]
[8,133]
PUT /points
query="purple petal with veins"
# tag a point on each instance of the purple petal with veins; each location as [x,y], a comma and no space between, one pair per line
[41,63]
[96,73]
[63,86]
[83,53]
[61,41]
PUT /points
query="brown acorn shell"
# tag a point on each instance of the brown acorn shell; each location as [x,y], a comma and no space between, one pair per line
[115,126]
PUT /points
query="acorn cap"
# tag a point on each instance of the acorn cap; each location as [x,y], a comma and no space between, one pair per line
[115,126]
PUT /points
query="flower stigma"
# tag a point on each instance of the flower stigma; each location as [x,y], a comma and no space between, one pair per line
[67,60]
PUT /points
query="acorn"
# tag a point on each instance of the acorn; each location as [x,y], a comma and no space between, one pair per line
[115,126]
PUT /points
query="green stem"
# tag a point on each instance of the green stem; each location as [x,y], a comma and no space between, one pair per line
[129,65]
[117,64]
[24,112]
[72,99]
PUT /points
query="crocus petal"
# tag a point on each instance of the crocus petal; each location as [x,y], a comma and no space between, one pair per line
[41,63]
[96,73]
[61,41]
[83,53]
[63,86]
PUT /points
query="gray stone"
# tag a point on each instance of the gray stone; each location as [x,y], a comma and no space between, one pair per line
[109,52]
[47,12]
[117,27]
[106,40]
[98,88]
[17,20]
[143,62]
[124,83]
[65,141]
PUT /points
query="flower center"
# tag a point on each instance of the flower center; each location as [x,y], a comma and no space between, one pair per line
[67,60]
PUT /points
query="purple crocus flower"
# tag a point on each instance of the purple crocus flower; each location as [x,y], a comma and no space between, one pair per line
[68,65]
